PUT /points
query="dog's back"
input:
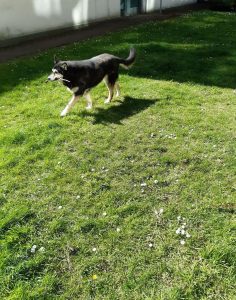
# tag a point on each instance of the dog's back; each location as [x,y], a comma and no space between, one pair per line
[92,71]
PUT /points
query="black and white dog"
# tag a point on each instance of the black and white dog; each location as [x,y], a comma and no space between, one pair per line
[80,76]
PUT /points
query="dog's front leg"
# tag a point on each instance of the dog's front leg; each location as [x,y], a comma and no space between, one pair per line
[70,104]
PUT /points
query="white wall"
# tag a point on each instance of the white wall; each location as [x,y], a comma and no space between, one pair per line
[22,17]
[152,5]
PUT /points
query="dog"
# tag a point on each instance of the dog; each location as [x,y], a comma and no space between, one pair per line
[82,75]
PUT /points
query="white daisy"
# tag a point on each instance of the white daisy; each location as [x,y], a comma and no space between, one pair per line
[33,249]
[178,231]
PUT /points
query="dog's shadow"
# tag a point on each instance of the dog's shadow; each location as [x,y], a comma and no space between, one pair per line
[116,113]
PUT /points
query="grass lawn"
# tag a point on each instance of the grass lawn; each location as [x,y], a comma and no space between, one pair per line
[135,200]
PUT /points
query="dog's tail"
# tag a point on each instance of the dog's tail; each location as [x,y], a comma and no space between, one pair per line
[128,62]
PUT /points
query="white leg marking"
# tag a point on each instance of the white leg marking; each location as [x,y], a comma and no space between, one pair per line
[70,104]
[89,100]
[110,89]
[117,86]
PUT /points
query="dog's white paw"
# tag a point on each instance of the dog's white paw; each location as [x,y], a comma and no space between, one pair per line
[63,113]
[107,101]
[88,107]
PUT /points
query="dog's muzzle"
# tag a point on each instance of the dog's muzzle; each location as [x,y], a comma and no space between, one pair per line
[52,78]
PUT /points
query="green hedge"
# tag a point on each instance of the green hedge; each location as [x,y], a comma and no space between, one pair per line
[227,4]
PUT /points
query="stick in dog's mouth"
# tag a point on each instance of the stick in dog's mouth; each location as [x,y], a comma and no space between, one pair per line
[60,79]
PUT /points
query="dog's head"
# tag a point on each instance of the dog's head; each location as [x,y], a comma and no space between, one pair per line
[58,70]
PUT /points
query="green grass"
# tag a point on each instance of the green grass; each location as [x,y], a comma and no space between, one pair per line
[73,184]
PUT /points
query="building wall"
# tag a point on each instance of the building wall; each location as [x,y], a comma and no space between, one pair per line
[22,17]
[152,5]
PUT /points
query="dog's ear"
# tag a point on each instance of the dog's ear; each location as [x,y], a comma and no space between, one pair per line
[55,59]
[64,65]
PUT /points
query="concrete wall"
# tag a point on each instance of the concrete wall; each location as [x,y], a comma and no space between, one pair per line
[22,17]
[152,5]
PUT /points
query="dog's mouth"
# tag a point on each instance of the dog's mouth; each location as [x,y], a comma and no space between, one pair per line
[54,77]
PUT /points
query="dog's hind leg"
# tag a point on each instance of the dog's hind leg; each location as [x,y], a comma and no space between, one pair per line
[111,93]
[110,90]
[110,81]
[87,96]
[70,104]
[117,86]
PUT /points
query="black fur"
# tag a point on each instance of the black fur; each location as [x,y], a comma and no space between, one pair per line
[80,76]
[86,74]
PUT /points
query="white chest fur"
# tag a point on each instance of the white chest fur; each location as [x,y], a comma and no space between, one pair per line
[73,90]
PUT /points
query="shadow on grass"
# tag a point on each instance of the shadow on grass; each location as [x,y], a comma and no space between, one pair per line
[115,114]
[206,65]
[198,48]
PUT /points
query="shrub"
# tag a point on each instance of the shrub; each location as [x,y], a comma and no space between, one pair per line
[223,4]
